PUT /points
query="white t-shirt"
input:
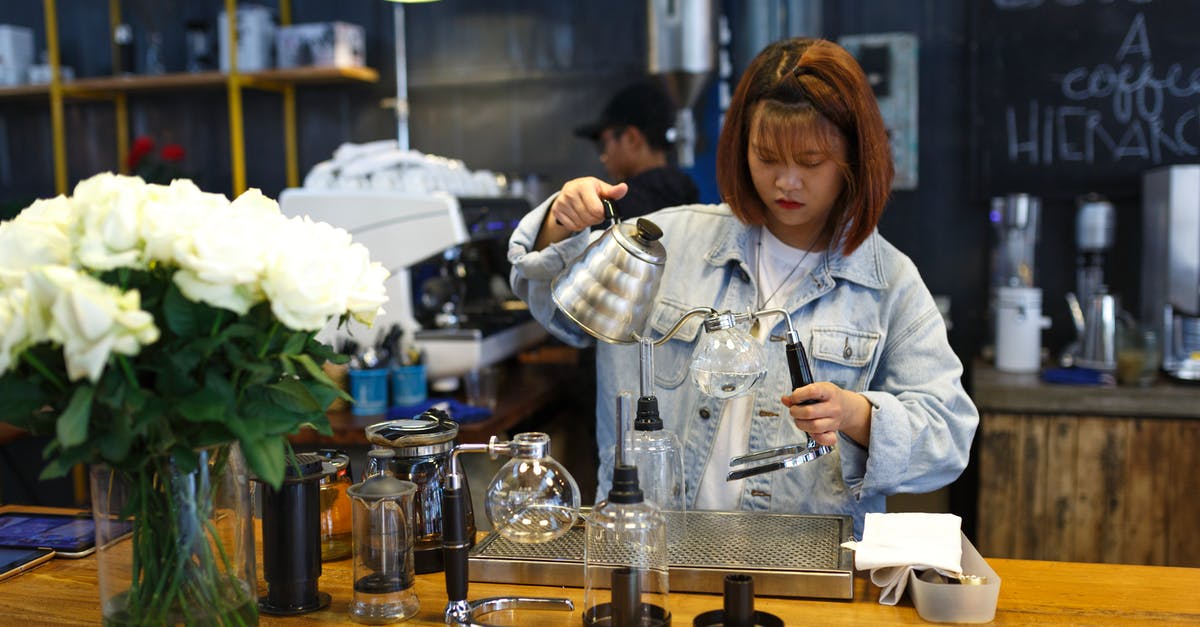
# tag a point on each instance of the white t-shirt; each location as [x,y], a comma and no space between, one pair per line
[777,270]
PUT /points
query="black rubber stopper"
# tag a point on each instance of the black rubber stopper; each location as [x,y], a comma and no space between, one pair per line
[648,418]
[625,488]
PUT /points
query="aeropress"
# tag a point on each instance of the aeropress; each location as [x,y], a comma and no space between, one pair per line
[625,560]
[291,536]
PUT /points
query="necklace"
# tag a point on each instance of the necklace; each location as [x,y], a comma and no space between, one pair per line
[758,271]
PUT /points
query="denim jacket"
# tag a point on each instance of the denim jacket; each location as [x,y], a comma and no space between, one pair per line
[869,325]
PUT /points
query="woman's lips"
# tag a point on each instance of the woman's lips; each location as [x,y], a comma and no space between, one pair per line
[788,204]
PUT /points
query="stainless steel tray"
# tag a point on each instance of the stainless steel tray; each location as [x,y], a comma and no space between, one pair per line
[789,555]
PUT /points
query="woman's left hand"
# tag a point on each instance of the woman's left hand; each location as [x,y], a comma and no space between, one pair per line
[834,410]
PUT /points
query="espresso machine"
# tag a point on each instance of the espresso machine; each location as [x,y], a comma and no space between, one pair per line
[1171,264]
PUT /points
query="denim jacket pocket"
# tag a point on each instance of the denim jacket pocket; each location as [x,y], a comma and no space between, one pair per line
[672,358]
[841,355]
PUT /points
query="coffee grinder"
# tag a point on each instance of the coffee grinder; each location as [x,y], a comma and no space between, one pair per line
[1017,302]
[1094,224]
[1093,309]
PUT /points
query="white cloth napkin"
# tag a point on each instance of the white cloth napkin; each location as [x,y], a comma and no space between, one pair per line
[895,544]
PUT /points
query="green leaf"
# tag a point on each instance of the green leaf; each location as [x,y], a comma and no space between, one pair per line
[203,406]
[180,313]
[291,395]
[72,425]
[314,370]
[19,400]
[114,446]
[295,343]
[266,458]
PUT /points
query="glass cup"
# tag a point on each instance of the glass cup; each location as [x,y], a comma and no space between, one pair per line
[482,387]
[1139,357]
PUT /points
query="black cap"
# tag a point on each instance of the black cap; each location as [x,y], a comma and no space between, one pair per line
[643,105]
[625,487]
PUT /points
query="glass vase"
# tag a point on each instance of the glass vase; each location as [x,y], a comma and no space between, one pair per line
[189,559]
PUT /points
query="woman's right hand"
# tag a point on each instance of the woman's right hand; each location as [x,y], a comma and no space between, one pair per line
[579,205]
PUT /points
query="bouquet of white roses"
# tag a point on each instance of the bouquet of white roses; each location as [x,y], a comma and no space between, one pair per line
[138,320]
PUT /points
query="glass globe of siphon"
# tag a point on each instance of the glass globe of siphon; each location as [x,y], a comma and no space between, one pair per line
[532,498]
[728,363]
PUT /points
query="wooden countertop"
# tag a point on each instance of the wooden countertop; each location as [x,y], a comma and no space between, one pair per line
[995,391]
[63,592]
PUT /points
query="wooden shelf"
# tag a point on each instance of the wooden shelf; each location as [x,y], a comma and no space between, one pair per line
[24,91]
[197,80]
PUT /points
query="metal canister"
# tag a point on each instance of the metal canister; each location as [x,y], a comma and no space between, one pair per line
[423,445]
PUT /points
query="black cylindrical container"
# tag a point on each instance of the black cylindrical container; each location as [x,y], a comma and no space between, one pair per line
[291,539]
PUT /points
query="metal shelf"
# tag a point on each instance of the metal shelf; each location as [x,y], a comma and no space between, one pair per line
[116,89]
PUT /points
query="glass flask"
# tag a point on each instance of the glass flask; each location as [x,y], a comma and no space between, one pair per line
[625,575]
[729,361]
[532,498]
[336,534]
[383,551]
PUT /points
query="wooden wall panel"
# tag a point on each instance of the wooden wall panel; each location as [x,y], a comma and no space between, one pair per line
[1060,480]
[1089,489]
[1146,505]
[997,485]
[1027,510]
[1183,548]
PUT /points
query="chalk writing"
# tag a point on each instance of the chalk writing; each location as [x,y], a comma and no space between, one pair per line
[1114,111]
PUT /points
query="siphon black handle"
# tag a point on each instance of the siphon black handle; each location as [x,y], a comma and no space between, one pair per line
[455,544]
[799,369]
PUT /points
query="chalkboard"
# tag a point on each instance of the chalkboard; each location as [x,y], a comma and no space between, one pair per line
[1073,96]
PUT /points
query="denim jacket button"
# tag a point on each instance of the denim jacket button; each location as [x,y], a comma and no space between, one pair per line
[704,413]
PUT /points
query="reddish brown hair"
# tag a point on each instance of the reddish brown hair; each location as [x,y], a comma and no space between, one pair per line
[810,87]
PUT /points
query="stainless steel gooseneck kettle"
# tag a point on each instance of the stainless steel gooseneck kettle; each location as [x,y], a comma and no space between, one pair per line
[609,289]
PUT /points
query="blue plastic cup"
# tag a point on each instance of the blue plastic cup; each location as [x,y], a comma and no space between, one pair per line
[369,388]
[408,385]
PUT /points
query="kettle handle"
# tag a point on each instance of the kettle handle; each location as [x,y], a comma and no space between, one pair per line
[610,211]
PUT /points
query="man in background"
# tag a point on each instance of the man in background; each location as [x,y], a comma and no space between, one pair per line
[633,136]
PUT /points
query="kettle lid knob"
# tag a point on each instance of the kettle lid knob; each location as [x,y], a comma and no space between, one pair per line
[648,230]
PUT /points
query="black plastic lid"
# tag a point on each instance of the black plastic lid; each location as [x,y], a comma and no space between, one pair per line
[647,415]
[625,488]
[304,466]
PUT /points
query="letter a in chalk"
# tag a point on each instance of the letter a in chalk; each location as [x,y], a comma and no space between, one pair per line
[1137,40]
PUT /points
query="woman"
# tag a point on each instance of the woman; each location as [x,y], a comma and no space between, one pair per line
[804,170]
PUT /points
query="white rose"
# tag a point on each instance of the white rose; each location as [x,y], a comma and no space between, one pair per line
[367,290]
[169,215]
[15,333]
[37,236]
[92,320]
[305,278]
[108,207]
[223,260]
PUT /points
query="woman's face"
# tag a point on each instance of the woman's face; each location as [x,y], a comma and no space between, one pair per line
[798,187]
